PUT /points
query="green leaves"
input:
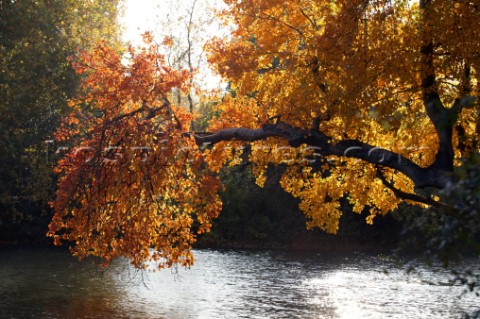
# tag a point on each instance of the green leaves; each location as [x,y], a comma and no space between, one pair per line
[35,82]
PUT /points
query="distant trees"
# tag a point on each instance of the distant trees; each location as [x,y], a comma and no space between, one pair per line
[36,81]
[187,26]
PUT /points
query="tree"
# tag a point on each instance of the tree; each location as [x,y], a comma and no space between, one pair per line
[370,101]
[188,26]
[135,182]
[385,89]
[36,81]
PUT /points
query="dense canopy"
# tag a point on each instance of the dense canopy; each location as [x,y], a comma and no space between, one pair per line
[373,101]
[379,88]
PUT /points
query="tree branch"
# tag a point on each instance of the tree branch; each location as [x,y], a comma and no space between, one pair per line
[414,197]
[229,134]
[151,112]
[442,118]
[281,22]
[324,145]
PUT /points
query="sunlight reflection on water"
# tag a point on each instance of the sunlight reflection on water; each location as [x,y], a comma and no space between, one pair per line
[361,293]
[225,284]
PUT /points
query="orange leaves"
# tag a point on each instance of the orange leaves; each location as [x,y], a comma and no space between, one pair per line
[168,41]
[140,181]
[232,68]
[133,181]
[112,79]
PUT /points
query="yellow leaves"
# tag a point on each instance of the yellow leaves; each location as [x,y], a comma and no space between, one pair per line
[319,197]
[358,65]
[260,173]
[320,193]
[244,112]
[216,158]
[369,219]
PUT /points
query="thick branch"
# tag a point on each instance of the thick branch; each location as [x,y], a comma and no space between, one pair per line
[442,118]
[229,134]
[461,103]
[323,145]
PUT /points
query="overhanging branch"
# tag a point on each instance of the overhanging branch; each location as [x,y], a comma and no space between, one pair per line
[414,197]
[325,146]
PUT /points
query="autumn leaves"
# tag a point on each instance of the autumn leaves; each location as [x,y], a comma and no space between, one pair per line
[134,181]
[365,84]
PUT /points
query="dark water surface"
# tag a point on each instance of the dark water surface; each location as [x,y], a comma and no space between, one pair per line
[227,284]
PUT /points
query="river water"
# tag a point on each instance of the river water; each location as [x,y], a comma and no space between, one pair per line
[227,284]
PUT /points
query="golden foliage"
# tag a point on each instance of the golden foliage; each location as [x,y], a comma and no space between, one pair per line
[358,65]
